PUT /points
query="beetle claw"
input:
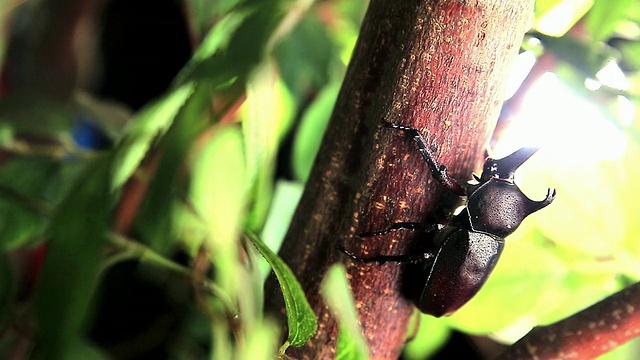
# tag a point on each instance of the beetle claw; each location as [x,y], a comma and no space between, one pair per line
[551,194]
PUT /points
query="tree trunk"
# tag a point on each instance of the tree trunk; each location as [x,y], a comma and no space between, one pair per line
[439,66]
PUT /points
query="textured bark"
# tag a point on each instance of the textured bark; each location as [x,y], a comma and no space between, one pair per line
[586,335]
[439,66]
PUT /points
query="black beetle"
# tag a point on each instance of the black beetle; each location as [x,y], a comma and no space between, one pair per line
[464,250]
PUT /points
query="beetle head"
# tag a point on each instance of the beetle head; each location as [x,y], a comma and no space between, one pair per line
[497,206]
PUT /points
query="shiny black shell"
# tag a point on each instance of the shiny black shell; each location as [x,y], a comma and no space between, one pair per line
[460,268]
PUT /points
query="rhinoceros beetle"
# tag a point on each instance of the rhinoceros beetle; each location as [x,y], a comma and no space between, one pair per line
[465,249]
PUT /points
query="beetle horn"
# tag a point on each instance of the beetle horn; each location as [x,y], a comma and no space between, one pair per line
[506,167]
[533,206]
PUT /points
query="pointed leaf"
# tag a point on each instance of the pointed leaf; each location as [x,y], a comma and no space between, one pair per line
[301,319]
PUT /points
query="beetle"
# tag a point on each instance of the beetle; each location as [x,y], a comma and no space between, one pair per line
[466,248]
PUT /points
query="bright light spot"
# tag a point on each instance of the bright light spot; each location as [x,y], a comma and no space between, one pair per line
[592,84]
[612,76]
[627,110]
[563,16]
[554,117]
[522,66]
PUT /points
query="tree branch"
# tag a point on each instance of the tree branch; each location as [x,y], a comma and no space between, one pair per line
[439,66]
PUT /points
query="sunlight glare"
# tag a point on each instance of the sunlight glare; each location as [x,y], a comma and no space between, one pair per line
[521,68]
[553,116]
[612,76]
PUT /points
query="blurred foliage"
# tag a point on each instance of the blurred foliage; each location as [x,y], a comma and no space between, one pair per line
[228,148]
[351,343]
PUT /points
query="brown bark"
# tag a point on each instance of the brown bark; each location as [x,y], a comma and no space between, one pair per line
[436,65]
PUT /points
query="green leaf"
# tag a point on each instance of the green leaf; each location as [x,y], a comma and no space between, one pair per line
[34,115]
[218,193]
[285,201]
[144,130]
[431,336]
[203,11]
[304,56]
[605,15]
[26,204]
[584,56]
[300,318]
[78,232]
[335,292]
[260,344]
[266,117]
[158,220]
[313,125]
[347,348]
[631,54]
[221,67]
[556,17]
[244,35]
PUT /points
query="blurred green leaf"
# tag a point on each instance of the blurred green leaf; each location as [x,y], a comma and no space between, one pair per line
[20,206]
[237,43]
[218,193]
[267,115]
[313,124]
[78,231]
[159,218]
[32,115]
[260,344]
[631,55]
[285,201]
[204,12]
[221,65]
[301,320]
[304,57]
[145,129]
[335,292]
[347,348]
[432,335]
[585,57]
[556,17]
[604,16]
[345,29]
[26,204]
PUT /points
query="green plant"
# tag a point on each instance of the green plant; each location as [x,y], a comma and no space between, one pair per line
[178,197]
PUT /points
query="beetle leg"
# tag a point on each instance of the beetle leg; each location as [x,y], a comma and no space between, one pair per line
[438,171]
[381,259]
[401,226]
